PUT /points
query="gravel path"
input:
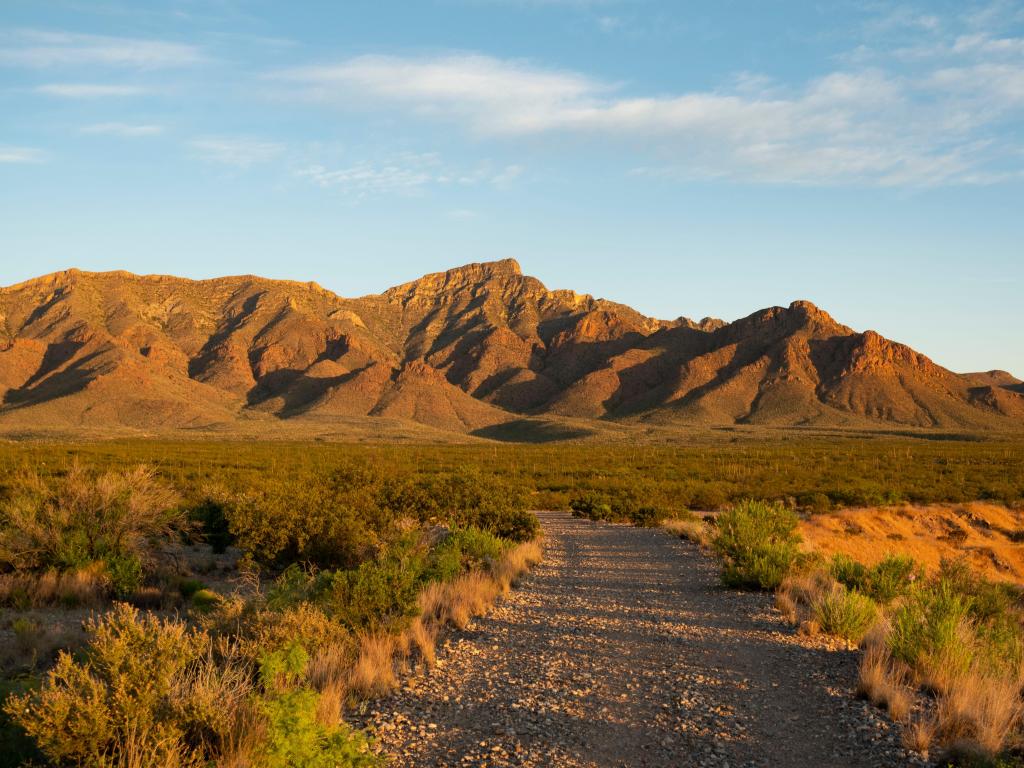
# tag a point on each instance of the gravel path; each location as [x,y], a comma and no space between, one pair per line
[621,650]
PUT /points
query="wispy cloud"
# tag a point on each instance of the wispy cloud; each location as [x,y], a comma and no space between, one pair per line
[89,90]
[859,125]
[21,155]
[44,49]
[405,173]
[237,151]
[130,130]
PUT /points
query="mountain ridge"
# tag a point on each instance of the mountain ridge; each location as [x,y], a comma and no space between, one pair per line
[462,351]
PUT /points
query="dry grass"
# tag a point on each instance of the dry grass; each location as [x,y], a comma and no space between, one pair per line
[918,736]
[441,604]
[982,532]
[327,672]
[82,587]
[787,607]
[885,683]
[696,531]
[979,708]
[373,674]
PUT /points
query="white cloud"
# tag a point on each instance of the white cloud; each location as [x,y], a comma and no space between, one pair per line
[863,125]
[89,90]
[21,155]
[41,50]
[123,129]
[405,173]
[240,152]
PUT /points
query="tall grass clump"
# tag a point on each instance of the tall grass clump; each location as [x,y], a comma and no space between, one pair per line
[961,639]
[758,543]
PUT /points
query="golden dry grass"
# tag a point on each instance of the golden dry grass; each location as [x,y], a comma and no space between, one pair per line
[441,604]
[696,531]
[918,735]
[374,671]
[981,709]
[85,586]
[885,683]
[982,532]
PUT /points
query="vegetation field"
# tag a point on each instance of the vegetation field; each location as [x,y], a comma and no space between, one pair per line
[815,475]
[226,603]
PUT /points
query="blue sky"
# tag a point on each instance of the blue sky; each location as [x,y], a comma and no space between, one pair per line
[706,158]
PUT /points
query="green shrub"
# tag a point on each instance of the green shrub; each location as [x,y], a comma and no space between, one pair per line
[463,499]
[16,747]
[212,518]
[758,543]
[815,503]
[125,574]
[893,577]
[928,628]
[625,507]
[462,550]
[890,578]
[118,699]
[188,587]
[378,594]
[845,613]
[295,738]
[81,519]
[849,572]
[592,506]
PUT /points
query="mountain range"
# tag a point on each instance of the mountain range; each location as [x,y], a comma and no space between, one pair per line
[479,350]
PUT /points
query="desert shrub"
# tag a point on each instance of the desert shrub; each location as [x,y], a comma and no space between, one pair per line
[624,507]
[295,737]
[758,543]
[464,499]
[212,518]
[845,613]
[117,702]
[815,503]
[462,550]
[125,574]
[16,746]
[929,628]
[884,582]
[305,519]
[80,519]
[592,506]
[376,595]
[893,577]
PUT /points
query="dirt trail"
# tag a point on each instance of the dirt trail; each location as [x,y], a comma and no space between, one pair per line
[622,650]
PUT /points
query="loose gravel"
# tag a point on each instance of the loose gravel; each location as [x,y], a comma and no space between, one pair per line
[621,649]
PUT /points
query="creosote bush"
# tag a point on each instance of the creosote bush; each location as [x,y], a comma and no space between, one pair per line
[845,613]
[109,526]
[624,507]
[758,543]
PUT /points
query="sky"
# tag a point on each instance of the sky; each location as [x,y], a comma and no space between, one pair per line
[698,159]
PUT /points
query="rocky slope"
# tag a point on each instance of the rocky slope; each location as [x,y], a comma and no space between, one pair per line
[463,350]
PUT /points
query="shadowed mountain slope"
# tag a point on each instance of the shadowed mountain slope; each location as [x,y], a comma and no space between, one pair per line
[465,350]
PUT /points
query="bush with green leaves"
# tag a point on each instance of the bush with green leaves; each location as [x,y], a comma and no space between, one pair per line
[758,543]
[462,550]
[463,499]
[295,738]
[626,507]
[888,579]
[957,620]
[120,699]
[845,613]
[76,521]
